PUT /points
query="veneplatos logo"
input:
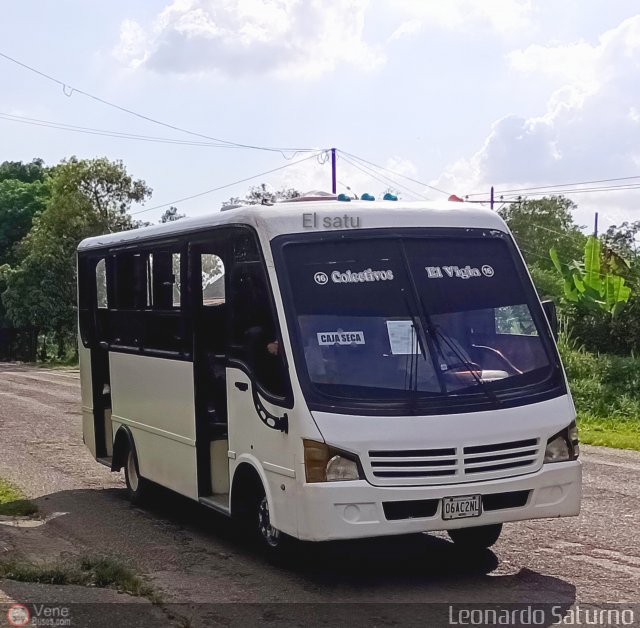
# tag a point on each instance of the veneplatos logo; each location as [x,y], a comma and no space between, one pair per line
[39,615]
[18,615]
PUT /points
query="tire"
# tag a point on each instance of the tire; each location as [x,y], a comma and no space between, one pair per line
[273,542]
[478,538]
[136,485]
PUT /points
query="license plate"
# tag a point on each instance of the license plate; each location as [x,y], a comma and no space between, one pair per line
[460,507]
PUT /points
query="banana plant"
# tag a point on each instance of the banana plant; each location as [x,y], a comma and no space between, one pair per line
[590,283]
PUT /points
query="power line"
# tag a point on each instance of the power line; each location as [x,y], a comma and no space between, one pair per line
[69,90]
[609,188]
[511,198]
[226,185]
[397,174]
[558,185]
[377,176]
[556,232]
[108,133]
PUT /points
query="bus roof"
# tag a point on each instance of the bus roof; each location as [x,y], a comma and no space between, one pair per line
[286,218]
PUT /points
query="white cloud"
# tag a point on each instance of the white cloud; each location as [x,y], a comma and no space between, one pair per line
[132,45]
[408,28]
[590,129]
[282,38]
[573,62]
[501,16]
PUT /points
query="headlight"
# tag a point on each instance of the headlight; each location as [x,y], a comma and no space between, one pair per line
[557,449]
[341,468]
[323,463]
[563,446]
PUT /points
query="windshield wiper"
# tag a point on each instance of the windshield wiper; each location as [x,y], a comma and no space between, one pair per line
[422,343]
[435,331]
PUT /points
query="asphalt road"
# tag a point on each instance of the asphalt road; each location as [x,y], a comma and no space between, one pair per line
[194,557]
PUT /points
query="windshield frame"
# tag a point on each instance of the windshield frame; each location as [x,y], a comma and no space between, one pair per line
[470,401]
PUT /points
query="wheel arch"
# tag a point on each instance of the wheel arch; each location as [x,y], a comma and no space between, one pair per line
[248,479]
[122,443]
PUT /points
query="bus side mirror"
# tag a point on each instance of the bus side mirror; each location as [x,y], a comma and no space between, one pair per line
[549,308]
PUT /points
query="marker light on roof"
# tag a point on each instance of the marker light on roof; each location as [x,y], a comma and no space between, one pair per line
[389,197]
[344,197]
[367,197]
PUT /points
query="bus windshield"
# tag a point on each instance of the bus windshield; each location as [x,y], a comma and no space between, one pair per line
[416,321]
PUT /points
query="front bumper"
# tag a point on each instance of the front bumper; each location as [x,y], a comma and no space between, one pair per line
[354,509]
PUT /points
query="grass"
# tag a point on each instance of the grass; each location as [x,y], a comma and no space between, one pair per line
[606,391]
[13,503]
[100,571]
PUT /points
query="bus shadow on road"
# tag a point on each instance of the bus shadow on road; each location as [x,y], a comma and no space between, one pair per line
[427,562]
[418,568]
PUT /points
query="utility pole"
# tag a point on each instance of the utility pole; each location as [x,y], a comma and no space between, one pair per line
[333,171]
[491,197]
[595,225]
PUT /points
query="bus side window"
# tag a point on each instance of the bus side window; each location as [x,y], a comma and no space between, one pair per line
[213,314]
[126,283]
[255,332]
[212,269]
[101,284]
[86,304]
[164,322]
[163,277]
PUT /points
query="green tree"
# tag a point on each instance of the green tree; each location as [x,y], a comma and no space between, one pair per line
[88,197]
[171,215]
[27,173]
[262,193]
[538,225]
[23,193]
[547,282]
[104,187]
[622,239]
[19,203]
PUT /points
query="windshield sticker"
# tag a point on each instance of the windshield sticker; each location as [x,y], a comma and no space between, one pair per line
[467,272]
[349,276]
[326,338]
[402,337]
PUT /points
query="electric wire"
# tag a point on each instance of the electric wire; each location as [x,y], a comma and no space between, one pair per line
[108,133]
[397,174]
[515,198]
[69,90]
[612,188]
[388,182]
[222,187]
[554,186]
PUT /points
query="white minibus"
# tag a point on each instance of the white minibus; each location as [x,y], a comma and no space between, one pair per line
[329,370]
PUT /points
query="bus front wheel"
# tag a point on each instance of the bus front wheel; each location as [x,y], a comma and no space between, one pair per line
[481,537]
[276,544]
[136,485]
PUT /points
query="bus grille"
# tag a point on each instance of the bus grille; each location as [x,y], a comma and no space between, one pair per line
[448,465]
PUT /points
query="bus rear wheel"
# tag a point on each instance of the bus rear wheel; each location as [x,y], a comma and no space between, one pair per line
[481,537]
[136,485]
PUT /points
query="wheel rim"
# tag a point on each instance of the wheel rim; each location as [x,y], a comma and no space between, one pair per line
[132,472]
[270,535]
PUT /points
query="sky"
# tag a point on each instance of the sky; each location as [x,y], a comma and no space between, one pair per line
[459,95]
